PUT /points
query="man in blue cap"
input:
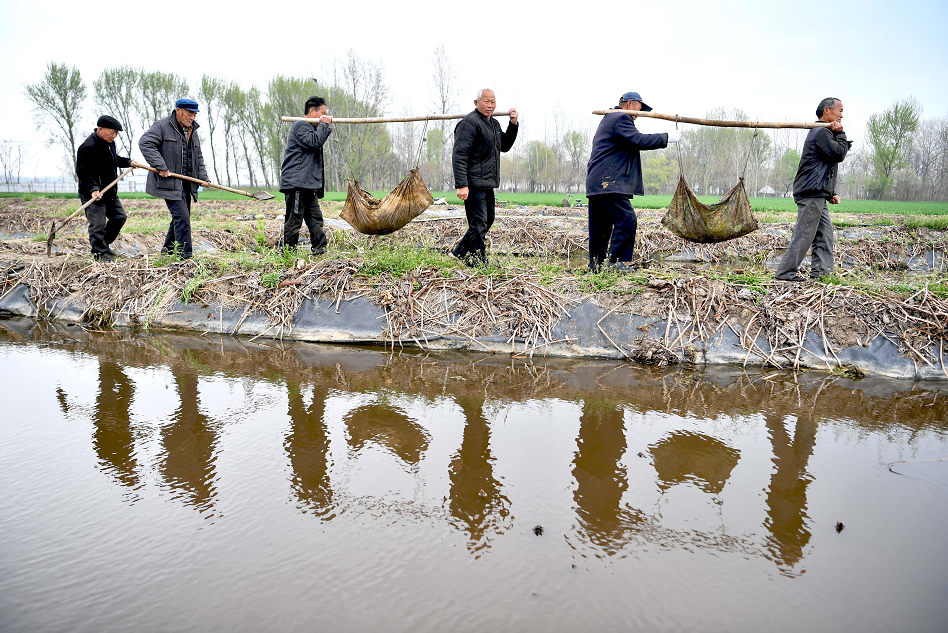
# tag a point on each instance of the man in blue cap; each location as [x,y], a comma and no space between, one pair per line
[613,176]
[172,145]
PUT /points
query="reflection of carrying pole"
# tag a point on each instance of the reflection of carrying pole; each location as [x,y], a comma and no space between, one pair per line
[717,123]
[52,228]
[389,119]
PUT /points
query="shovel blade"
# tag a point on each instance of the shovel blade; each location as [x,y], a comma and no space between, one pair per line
[263,195]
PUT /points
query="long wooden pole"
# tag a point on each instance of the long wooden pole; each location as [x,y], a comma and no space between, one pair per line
[717,123]
[390,119]
[52,227]
[201,182]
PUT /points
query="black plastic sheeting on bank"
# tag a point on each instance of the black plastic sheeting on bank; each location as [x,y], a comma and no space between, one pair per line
[578,336]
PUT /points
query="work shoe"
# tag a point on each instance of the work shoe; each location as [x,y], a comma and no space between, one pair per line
[104,257]
[317,251]
[794,278]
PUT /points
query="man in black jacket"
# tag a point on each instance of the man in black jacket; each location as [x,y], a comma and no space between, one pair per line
[813,187]
[96,165]
[613,176]
[478,143]
[303,176]
[171,145]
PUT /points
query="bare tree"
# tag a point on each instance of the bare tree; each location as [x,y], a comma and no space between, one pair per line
[211,94]
[12,156]
[444,85]
[58,102]
[157,93]
[116,90]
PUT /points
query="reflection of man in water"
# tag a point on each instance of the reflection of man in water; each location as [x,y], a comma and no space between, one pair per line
[786,498]
[476,501]
[112,439]
[600,478]
[188,460]
[307,445]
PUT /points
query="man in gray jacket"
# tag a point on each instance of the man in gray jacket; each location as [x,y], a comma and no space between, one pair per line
[172,145]
[303,176]
[813,187]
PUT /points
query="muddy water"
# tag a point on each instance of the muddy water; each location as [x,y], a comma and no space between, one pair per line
[166,483]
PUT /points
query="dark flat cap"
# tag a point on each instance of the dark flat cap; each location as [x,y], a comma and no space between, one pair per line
[110,122]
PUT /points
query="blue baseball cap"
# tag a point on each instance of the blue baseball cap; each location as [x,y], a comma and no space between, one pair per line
[634,96]
[192,105]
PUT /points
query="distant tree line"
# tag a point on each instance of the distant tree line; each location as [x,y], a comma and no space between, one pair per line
[903,156]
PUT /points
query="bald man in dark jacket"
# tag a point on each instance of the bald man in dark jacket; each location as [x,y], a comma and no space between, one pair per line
[478,143]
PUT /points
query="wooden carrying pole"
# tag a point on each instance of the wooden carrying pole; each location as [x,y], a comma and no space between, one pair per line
[390,119]
[716,123]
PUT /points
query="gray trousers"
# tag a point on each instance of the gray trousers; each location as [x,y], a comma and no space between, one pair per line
[813,228]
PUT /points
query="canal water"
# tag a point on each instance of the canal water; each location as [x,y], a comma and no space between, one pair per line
[185,483]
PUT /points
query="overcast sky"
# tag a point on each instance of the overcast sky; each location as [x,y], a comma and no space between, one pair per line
[775,60]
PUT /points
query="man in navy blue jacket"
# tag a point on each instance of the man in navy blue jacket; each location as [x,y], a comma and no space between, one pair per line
[613,176]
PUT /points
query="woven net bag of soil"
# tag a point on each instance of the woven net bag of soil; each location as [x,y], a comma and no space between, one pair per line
[403,204]
[707,223]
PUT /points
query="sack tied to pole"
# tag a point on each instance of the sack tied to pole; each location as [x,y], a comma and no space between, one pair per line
[409,199]
[731,216]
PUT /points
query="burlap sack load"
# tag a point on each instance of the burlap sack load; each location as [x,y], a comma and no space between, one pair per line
[369,215]
[707,223]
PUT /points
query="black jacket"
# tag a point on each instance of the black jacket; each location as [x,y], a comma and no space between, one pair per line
[303,158]
[823,150]
[478,142]
[615,166]
[163,146]
[96,164]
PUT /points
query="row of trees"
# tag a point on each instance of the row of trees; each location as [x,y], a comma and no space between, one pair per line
[903,157]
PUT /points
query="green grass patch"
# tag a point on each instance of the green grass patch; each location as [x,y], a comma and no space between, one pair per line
[399,260]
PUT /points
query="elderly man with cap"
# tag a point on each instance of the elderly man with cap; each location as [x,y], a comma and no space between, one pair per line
[478,143]
[613,177]
[96,165]
[171,145]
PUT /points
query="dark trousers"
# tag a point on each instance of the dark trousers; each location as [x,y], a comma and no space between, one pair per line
[479,208]
[106,219]
[179,232]
[612,224]
[813,229]
[303,205]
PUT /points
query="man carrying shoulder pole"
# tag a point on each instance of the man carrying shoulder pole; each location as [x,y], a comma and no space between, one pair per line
[478,143]
[813,187]
[96,165]
[303,176]
[613,176]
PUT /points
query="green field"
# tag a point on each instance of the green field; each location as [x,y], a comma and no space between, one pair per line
[879,207]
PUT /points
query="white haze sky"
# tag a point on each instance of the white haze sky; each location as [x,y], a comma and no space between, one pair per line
[775,60]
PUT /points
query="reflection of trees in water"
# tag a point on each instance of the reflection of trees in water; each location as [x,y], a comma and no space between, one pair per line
[600,477]
[389,427]
[112,439]
[476,502]
[683,456]
[786,498]
[307,445]
[187,461]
